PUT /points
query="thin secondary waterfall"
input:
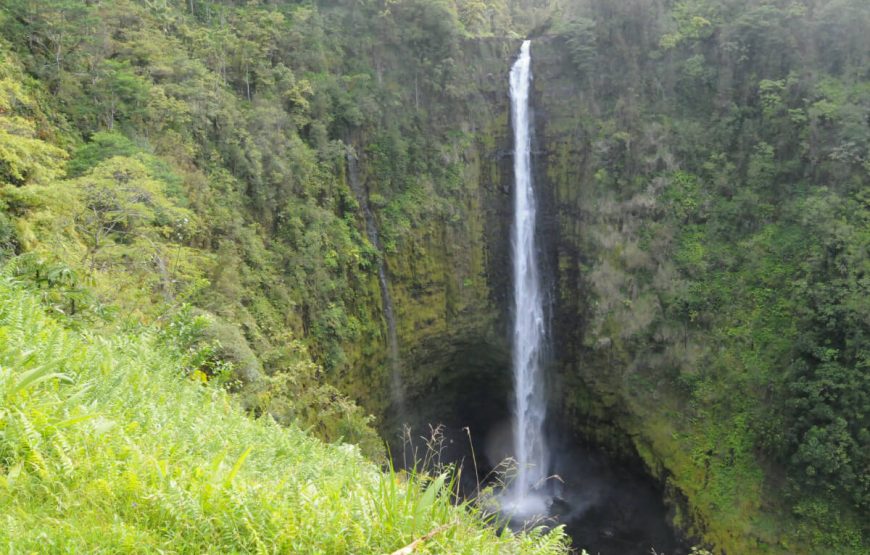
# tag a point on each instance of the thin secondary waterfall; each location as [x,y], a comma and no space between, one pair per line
[361,194]
[529,331]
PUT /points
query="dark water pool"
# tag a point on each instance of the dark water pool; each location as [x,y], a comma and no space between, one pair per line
[611,508]
[608,507]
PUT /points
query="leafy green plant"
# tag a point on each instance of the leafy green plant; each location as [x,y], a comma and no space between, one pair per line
[105,446]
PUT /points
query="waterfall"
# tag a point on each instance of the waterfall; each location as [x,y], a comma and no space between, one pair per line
[529,329]
[397,390]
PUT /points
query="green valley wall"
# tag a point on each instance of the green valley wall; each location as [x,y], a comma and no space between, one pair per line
[447,273]
[638,370]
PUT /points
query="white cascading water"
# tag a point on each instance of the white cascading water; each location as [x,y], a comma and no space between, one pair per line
[395,363]
[529,331]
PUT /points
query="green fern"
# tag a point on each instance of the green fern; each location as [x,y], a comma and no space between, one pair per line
[108,450]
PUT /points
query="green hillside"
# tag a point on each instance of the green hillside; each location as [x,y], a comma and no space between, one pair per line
[107,447]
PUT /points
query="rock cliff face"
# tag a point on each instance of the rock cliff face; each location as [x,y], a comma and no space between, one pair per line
[603,309]
[449,275]
[667,344]
[450,278]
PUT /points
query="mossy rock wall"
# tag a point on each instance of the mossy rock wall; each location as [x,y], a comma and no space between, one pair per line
[448,274]
[631,374]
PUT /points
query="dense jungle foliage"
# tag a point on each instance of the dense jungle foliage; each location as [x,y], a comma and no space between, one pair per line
[725,150]
[182,165]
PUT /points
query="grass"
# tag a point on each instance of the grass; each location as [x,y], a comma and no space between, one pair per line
[105,448]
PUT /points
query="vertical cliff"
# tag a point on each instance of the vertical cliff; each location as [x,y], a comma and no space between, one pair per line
[447,263]
[675,177]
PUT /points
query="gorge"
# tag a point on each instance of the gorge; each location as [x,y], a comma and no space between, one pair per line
[608,506]
[311,206]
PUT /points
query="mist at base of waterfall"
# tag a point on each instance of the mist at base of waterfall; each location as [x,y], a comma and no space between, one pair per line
[524,508]
[608,507]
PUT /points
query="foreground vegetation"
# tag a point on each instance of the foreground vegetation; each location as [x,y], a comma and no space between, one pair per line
[107,445]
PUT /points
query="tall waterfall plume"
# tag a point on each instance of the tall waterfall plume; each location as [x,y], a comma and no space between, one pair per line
[529,326]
